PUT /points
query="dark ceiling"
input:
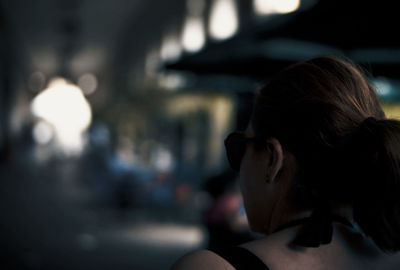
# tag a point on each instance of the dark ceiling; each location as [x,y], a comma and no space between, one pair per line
[73,37]
[365,31]
[111,38]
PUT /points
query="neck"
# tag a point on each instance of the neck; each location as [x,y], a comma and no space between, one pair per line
[292,214]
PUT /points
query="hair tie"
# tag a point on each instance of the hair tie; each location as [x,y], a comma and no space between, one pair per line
[369,124]
[370,119]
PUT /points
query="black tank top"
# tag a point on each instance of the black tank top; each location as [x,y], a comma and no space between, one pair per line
[240,258]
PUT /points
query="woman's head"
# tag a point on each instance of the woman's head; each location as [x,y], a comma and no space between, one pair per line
[315,110]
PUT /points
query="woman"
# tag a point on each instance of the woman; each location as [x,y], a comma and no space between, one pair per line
[320,175]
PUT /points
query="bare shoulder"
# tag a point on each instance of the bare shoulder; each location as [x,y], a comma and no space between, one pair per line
[201,260]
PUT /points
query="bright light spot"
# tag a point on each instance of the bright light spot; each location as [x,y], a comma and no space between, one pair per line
[37,81]
[223,19]
[88,83]
[264,7]
[57,81]
[171,48]
[383,87]
[162,159]
[64,106]
[43,132]
[166,235]
[193,37]
[172,81]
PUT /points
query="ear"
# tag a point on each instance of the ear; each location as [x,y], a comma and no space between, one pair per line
[275,162]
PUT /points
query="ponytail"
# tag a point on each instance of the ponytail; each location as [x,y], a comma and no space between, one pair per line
[376,202]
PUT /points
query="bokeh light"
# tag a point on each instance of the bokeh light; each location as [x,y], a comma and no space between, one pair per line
[193,37]
[171,48]
[224,21]
[382,86]
[37,81]
[43,132]
[265,7]
[64,106]
[88,83]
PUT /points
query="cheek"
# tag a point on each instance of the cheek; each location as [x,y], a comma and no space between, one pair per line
[252,189]
[251,174]
[246,176]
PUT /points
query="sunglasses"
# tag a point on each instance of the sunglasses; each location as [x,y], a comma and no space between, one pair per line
[235,146]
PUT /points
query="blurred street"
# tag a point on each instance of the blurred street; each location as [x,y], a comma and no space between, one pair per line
[49,220]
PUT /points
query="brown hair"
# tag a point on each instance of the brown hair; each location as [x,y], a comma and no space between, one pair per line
[317,110]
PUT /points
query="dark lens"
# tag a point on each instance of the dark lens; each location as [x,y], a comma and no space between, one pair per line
[235,148]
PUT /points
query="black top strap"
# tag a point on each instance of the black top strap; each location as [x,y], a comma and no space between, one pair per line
[240,258]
